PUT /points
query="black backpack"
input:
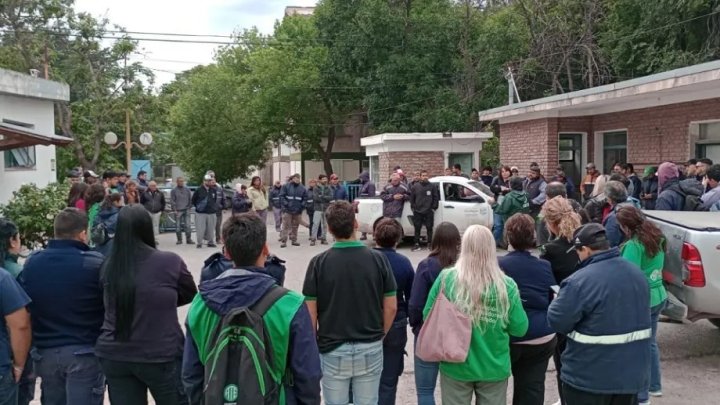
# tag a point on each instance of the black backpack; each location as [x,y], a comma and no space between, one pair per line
[239,369]
[99,234]
[691,195]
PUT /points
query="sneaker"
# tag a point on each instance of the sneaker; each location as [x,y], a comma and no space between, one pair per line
[644,403]
[558,403]
[199,246]
[190,241]
[363,237]
[323,242]
[416,248]
[295,243]
[655,393]
[283,245]
[212,245]
[312,242]
[178,242]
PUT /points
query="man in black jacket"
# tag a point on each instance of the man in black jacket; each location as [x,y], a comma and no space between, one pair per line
[154,202]
[424,200]
[206,207]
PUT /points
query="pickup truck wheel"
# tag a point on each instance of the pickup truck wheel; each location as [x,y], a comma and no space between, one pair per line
[715,322]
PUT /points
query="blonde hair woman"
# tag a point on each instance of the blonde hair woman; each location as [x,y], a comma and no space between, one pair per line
[561,221]
[478,288]
[595,207]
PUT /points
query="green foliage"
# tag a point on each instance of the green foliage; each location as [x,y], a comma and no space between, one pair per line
[33,210]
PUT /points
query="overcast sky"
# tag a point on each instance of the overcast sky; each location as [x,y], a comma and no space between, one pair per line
[216,17]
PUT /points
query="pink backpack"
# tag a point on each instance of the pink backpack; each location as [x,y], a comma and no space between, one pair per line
[445,335]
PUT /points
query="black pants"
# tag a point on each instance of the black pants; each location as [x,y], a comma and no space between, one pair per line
[129,383]
[529,365]
[393,362]
[419,220]
[559,349]
[574,396]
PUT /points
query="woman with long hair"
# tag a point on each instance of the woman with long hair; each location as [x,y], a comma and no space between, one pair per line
[76,197]
[444,250]
[258,197]
[562,221]
[141,341]
[501,183]
[646,248]
[132,196]
[597,207]
[530,353]
[480,290]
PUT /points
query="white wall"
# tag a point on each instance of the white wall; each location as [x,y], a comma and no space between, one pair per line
[41,114]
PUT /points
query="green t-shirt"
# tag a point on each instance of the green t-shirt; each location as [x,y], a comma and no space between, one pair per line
[349,283]
[489,355]
[634,251]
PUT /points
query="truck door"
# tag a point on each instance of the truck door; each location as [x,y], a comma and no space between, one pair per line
[461,206]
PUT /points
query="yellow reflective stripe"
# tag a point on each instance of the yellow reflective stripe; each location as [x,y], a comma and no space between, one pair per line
[610,339]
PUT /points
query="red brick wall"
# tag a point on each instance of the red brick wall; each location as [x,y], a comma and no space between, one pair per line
[654,134]
[433,162]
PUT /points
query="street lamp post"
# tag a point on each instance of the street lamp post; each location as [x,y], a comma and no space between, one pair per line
[111,139]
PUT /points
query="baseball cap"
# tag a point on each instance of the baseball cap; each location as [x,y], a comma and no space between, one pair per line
[589,235]
[514,169]
[207,177]
[295,175]
[334,177]
[74,174]
[590,166]
[90,173]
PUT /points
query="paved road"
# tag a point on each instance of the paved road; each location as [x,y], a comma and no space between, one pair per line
[690,353]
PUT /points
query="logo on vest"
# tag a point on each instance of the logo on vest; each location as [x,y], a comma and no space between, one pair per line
[231,393]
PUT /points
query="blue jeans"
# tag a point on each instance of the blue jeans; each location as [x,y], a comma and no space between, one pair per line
[359,364]
[70,375]
[655,382]
[8,388]
[426,374]
[498,227]
[393,361]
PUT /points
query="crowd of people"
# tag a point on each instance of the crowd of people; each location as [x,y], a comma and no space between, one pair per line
[106,315]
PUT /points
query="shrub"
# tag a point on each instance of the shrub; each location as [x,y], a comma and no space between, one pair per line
[33,209]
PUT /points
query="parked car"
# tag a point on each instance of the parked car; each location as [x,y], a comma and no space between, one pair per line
[692,264]
[463,202]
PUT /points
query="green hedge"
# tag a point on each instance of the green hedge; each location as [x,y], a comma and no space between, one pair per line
[33,209]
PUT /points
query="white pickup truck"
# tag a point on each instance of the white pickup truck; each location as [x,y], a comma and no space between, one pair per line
[463,202]
[692,264]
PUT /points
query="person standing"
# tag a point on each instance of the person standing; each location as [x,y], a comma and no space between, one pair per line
[649,192]
[501,184]
[646,249]
[132,196]
[259,198]
[245,284]
[424,200]
[142,180]
[310,208]
[76,197]
[109,211]
[276,205]
[535,186]
[635,183]
[339,192]
[293,197]
[90,177]
[604,309]
[154,201]
[673,192]
[457,171]
[122,180]
[67,313]
[94,197]
[514,202]
[366,190]
[387,235]
[241,202]
[712,196]
[561,220]
[487,176]
[322,196]
[205,201]
[588,182]
[331,294]
[394,196]
[141,342]
[221,204]
[480,290]
[443,254]
[530,353]
[181,203]
[617,197]
[110,181]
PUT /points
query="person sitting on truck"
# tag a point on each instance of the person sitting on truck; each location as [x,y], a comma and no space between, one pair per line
[712,197]
[394,196]
[604,309]
[646,249]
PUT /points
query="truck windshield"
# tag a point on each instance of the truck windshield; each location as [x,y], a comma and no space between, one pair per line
[481,186]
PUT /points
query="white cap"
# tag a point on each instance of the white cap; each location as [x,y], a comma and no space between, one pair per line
[208,177]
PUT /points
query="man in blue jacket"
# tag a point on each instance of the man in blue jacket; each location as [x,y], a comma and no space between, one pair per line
[67,312]
[293,198]
[245,238]
[604,310]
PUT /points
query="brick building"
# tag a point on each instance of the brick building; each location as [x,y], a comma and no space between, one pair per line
[416,151]
[670,116]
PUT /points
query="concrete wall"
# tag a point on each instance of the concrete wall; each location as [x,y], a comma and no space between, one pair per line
[41,114]
[654,135]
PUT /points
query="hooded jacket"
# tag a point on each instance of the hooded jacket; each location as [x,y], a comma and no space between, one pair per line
[514,202]
[217,263]
[604,309]
[594,208]
[672,196]
[368,187]
[288,323]
[275,197]
[393,208]
[424,197]
[650,187]
[293,198]
[240,203]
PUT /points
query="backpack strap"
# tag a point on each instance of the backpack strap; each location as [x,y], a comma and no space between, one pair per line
[269,299]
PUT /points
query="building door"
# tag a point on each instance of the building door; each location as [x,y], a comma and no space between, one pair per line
[464,159]
[571,157]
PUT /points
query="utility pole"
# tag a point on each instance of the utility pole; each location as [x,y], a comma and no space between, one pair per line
[512,88]
[128,142]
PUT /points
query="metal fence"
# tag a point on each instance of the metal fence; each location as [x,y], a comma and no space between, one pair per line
[353,190]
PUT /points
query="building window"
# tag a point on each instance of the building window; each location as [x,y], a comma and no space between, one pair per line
[614,149]
[20,158]
[708,145]
[375,169]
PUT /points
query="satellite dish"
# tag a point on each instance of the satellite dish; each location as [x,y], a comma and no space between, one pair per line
[110,138]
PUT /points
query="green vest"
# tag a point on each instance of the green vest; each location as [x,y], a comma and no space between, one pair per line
[202,321]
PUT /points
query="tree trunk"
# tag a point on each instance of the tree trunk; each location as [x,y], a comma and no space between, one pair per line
[326,153]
